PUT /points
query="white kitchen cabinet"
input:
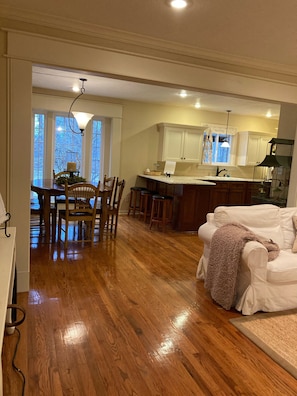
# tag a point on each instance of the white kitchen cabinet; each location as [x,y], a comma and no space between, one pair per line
[252,147]
[180,143]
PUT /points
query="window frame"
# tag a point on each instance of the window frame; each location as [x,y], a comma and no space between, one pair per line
[86,158]
[220,131]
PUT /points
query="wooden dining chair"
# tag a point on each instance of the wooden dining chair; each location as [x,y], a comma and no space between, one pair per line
[81,209]
[36,208]
[59,174]
[109,184]
[114,207]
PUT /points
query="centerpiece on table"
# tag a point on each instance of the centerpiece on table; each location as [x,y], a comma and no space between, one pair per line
[62,180]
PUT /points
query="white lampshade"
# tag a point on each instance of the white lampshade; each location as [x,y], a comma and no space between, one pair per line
[82,119]
[225,144]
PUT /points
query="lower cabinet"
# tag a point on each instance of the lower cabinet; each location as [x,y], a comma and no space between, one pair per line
[253,190]
[191,203]
[191,207]
[228,193]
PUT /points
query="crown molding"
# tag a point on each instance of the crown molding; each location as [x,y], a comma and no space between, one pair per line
[119,40]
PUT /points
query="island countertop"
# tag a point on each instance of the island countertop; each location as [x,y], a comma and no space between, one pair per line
[196,180]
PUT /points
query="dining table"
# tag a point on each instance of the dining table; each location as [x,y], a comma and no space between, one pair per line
[47,188]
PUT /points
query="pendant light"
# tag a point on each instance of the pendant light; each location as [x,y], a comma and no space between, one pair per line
[226,144]
[82,118]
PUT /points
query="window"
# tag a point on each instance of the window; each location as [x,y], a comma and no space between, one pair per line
[221,154]
[63,146]
[38,145]
[213,150]
[68,145]
[96,150]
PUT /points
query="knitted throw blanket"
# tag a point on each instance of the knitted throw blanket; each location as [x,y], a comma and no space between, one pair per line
[225,252]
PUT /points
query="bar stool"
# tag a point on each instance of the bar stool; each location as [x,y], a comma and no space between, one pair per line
[135,199]
[162,210]
[145,204]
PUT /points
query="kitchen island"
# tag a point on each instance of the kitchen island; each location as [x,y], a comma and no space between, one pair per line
[195,196]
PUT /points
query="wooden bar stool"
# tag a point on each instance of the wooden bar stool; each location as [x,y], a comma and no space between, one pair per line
[162,210]
[146,204]
[135,199]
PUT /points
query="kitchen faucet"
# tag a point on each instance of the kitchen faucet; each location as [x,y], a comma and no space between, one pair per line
[219,171]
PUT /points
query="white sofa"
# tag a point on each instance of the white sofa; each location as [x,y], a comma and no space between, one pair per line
[261,285]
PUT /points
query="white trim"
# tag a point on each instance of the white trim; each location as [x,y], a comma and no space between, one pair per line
[214,59]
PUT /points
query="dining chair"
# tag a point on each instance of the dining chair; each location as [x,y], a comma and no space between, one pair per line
[102,209]
[60,199]
[109,183]
[81,202]
[114,207]
[36,208]
[59,174]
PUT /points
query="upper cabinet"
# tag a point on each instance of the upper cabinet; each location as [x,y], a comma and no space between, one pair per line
[252,147]
[180,143]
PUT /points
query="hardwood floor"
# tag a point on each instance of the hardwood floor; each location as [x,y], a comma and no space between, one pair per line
[128,317]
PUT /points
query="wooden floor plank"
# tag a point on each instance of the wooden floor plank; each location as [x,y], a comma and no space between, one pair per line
[128,317]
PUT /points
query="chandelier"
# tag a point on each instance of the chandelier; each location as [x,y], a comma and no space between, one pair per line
[82,118]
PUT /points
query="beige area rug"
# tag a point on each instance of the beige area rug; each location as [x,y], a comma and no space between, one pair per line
[275,333]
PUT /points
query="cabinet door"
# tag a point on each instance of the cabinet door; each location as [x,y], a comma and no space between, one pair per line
[219,195]
[192,146]
[251,190]
[262,148]
[173,145]
[253,150]
[237,193]
[193,207]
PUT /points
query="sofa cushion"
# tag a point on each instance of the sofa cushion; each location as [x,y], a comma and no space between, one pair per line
[283,269]
[264,220]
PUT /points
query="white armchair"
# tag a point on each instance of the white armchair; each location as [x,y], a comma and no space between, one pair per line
[261,285]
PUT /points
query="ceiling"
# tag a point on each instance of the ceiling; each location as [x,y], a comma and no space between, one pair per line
[260,33]
[64,80]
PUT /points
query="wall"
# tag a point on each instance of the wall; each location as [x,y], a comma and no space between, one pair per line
[140,137]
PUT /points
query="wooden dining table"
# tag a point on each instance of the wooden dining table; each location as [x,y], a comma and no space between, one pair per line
[47,188]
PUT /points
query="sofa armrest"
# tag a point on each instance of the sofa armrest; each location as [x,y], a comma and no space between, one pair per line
[255,257]
[206,231]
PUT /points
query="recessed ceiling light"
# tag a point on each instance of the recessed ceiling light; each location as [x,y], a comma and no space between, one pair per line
[183,93]
[179,4]
[268,114]
[197,105]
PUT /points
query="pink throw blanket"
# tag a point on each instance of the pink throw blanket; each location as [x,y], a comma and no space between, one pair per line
[224,259]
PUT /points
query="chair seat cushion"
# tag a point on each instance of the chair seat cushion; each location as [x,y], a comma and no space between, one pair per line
[283,269]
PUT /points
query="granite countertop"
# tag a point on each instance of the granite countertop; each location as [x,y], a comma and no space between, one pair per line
[196,180]
[179,180]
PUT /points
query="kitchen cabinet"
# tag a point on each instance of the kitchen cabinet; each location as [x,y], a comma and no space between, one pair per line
[191,207]
[228,193]
[252,147]
[253,189]
[180,143]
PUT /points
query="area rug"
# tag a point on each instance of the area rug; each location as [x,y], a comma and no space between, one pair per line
[275,333]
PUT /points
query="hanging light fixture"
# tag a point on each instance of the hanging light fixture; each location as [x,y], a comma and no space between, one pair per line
[225,142]
[82,119]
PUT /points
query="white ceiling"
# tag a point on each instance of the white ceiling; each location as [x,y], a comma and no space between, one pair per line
[64,80]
